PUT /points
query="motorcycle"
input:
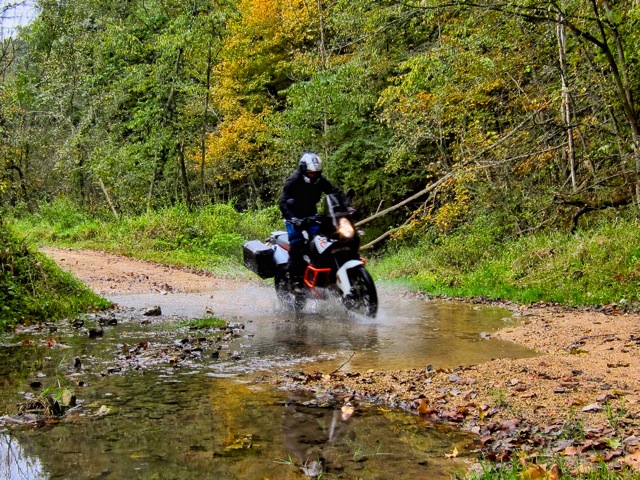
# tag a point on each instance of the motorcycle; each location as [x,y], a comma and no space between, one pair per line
[334,265]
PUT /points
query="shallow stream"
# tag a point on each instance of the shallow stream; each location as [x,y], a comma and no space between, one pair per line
[158,399]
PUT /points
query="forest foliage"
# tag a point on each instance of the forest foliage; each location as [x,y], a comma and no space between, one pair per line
[514,117]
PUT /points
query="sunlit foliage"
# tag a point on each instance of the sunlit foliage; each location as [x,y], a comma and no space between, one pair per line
[530,108]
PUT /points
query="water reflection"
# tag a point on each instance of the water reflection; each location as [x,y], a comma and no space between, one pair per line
[314,436]
[16,464]
[185,425]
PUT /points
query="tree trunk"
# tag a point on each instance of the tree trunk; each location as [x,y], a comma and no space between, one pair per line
[322,51]
[158,174]
[185,179]
[566,101]
[203,139]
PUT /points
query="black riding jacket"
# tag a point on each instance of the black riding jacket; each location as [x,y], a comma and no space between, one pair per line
[305,196]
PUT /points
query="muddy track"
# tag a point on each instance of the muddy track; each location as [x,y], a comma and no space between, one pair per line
[108,274]
[587,374]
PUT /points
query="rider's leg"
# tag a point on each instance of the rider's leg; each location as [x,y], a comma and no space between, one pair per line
[296,265]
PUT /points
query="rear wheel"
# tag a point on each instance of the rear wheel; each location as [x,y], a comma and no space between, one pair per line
[289,299]
[363,298]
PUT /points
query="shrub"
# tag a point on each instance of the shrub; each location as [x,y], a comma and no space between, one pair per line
[32,288]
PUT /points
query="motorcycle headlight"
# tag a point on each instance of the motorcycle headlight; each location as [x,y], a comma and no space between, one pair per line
[345,228]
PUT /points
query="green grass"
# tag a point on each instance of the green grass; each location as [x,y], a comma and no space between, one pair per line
[34,289]
[204,323]
[594,266]
[209,238]
[590,267]
[525,470]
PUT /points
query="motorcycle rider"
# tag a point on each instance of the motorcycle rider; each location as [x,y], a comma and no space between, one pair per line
[299,198]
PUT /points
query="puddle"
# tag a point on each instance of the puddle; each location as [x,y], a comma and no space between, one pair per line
[157,401]
[197,427]
[408,332]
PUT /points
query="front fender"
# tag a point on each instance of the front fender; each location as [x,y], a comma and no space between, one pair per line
[342,275]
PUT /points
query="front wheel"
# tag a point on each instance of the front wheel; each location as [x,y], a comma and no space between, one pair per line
[363,297]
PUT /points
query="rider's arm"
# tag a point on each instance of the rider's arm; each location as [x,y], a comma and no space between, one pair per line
[327,187]
[284,197]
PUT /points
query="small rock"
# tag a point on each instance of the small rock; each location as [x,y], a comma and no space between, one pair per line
[95,332]
[594,407]
[78,323]
[153,312]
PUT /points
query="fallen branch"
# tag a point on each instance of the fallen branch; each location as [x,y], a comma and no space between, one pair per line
[448,175]
[106,194]
[408,200]
[585,207]
[382,237]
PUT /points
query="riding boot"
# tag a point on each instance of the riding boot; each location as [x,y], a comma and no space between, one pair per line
[296,265]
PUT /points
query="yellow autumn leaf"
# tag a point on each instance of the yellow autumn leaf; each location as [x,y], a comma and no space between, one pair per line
[453,454]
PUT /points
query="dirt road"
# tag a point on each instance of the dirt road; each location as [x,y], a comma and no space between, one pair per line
[580,397]
[108,274]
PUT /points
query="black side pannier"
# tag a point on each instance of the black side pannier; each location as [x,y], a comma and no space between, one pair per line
[258,258]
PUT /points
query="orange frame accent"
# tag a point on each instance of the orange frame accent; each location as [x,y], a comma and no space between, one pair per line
[312,274]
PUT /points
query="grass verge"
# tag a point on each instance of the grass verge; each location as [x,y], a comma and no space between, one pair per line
[34,289]
[597,266]
[209,238]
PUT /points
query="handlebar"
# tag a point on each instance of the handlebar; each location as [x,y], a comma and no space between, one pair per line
[305,221]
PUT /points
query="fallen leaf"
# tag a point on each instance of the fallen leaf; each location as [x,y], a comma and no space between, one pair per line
[486,439]
[423,409]
[509,425]
[571,451]
[633,460]
[68,398]
[584,469]
[346,412]
[103,410]
[594,407]
[533,472]
[453,454]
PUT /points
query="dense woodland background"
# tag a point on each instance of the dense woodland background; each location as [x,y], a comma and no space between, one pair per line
[524,107]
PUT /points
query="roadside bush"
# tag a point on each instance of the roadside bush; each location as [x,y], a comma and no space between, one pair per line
[62,213]
[594,266]
[33,289]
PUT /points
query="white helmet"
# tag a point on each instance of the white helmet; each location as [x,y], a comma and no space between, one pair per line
[311,167]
